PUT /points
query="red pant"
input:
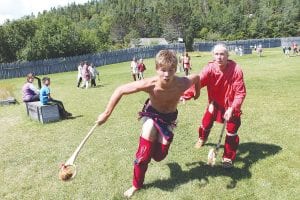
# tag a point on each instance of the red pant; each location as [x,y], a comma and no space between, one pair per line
[145,152]
[231,139]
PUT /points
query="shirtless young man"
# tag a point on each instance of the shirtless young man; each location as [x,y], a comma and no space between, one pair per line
[159,113]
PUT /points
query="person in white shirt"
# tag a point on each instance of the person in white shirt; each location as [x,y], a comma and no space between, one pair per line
[79,75]
[134,68]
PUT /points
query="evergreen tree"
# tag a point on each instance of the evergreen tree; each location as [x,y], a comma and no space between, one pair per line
[100,25]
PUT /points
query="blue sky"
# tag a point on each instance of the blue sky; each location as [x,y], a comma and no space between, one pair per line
[15,9]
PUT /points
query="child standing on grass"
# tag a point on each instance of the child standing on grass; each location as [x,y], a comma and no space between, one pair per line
[134,68]
[159,113]
[94,73]
[86,75]
[141,69]
[79,74]
[45,98]
[187,64]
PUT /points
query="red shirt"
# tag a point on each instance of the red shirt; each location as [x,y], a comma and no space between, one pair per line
[141,67]
[226,88]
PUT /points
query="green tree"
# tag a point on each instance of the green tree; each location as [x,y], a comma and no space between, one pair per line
[100,25]
[14,37]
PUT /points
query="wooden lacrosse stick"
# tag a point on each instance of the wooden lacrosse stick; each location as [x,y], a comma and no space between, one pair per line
[212,154]
[68,169]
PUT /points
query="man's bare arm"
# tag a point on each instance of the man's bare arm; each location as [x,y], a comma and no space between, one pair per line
[196,80]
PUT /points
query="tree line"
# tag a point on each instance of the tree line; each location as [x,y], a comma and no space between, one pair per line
[102,25]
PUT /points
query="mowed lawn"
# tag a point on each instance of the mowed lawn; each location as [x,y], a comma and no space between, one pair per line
[268,160]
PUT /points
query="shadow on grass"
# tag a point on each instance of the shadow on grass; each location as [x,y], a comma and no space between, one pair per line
[73,117]
[248,154]
[98,86]
[92,87]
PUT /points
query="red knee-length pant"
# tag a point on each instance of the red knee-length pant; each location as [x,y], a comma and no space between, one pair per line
[232,126]
[145,152]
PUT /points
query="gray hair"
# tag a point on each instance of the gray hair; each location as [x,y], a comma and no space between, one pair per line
[222,46]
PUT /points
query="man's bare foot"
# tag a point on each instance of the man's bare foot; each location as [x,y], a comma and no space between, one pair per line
[128,193]
[200,143]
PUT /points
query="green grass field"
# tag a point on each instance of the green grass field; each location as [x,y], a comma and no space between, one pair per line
[267,165]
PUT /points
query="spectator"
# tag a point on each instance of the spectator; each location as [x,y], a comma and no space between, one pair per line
[283,49]
[180,63]
[295,48]
[236,50]
[259,50]
[45,98]
[187,64]
[240,51]
[30,93]
[287,51]
[79,75]
[86,75]
[141,68]
[134,68]
[94,73]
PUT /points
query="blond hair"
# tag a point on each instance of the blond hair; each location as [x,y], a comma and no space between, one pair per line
[166,58]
